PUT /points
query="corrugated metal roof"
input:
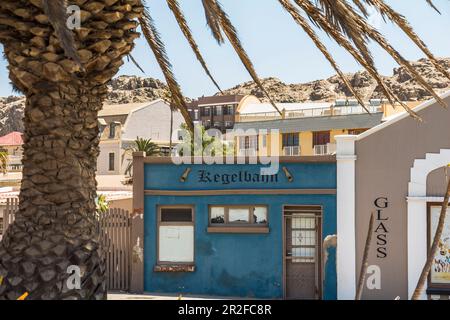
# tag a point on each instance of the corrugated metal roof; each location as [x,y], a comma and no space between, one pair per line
[354,121]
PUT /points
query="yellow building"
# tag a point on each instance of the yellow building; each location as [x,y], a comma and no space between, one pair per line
[304,129]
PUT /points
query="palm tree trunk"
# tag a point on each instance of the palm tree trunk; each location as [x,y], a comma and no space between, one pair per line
[434,247]
[55,226]
[364,265]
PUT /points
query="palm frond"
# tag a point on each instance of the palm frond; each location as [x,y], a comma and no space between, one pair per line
[153,38]
[212,21]
[402,23]
[302,22]
[232,36]
[380,39]
[320,19]
[181,20]
[132,59]
[56,11]
[430,2]
[343,17]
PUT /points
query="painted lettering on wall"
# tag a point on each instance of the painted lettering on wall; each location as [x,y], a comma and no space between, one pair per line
[205,176]
[381,229]
[373,281]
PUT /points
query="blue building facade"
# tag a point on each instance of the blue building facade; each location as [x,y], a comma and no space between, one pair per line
[239,257]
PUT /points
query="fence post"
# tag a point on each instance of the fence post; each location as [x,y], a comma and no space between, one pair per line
[137,225]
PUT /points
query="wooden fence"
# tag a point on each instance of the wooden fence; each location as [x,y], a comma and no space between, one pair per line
[115,228]
[12,205]
[115,237]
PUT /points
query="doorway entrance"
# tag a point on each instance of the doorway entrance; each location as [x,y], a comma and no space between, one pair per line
[302,252]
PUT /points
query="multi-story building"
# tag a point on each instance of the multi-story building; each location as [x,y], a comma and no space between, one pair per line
[121,124]
[218,111]
[305,128]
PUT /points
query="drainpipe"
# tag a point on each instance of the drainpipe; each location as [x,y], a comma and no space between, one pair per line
[346,237]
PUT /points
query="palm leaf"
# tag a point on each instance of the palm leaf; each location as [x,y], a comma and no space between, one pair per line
[433,6]
[153,38]
[212,21]
[399,20]
[56,11]
[320,20]
[181,20]
[302,22]
[232,36]
[341,21]
[130,57]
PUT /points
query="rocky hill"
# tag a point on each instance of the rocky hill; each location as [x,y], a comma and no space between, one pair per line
[334,88]
[123,89]
[127,89]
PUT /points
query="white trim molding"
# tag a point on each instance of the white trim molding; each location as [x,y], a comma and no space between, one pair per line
[417,213]
[346,236]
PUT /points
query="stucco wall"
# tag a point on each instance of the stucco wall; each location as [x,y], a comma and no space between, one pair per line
[246,265]
[151,122]
[383,164]
[107,147]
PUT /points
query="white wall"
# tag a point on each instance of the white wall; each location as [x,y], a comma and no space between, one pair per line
[151,122]
[103,159]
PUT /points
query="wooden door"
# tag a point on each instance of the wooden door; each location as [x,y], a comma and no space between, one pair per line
[302,255]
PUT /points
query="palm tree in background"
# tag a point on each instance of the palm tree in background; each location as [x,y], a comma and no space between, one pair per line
[140,144]
[3,161]
[63,74]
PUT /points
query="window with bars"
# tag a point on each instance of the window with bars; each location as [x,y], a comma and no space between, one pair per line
[303,238]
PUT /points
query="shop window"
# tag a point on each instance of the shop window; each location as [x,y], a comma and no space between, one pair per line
[176,235]
[241,218]
[439,277]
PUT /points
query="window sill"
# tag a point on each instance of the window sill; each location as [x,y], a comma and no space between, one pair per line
[238,229]
[174,268]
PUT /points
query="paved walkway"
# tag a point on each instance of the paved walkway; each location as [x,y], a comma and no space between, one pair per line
[150,296]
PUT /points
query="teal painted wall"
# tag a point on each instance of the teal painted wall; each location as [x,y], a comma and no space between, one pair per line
[239,265]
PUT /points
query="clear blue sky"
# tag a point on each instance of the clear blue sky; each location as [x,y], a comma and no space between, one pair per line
[277,46]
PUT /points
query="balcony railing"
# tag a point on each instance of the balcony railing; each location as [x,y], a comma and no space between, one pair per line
[324,149]
[310,112]
[291,151]
[247,152]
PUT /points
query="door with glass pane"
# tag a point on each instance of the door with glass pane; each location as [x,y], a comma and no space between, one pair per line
[302,252]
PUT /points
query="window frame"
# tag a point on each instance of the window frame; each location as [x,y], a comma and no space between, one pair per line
[290,138]
[112,130]
[238,227]
[434,288]
[160,223]
[113,161]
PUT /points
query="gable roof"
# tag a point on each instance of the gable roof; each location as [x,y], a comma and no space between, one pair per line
[400,116]
[122,109]
[12,139]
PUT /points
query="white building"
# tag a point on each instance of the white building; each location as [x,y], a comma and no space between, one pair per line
[121,124]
